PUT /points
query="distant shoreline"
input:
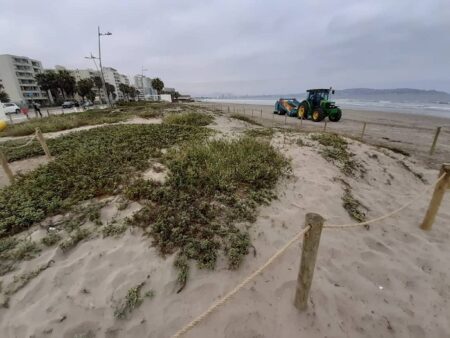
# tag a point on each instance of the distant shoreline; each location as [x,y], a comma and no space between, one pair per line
[425,109]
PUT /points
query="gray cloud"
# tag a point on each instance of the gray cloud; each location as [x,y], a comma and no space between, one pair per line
[247,47]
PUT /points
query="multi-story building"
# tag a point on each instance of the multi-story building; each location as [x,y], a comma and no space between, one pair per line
[144,85]
[17,74]
[124,79]
[113,77]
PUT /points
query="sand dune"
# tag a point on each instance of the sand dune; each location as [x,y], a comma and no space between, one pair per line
[390,280]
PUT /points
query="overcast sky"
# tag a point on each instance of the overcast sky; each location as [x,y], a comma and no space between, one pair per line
[205,47]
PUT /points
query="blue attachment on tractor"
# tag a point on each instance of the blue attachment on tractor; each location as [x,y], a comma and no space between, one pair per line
[286,106]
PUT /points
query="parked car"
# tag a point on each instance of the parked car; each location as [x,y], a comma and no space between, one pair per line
[11,108]
[68,104]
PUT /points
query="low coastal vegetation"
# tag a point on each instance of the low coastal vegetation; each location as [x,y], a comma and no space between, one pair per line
[89,164]
[123,112]
[132,300]
[335,150]
[189,119]
[210,187]
[245,119]
[260,132]
[353,206]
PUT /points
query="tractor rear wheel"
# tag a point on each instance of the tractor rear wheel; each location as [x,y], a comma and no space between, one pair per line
[317,114]
[303,111]
[335,117]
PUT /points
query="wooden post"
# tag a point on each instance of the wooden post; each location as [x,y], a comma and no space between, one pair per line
[285,118]
[44,146]
[325,127]
[261,113]
[363,130]
[308,260]
[48,113]
[10,118]
[433,146]
[6,167]
[438,195]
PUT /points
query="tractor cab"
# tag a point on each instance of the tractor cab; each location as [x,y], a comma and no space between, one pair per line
[317,95]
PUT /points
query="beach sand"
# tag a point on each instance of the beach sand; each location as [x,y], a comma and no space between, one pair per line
[389,281]
[410,132]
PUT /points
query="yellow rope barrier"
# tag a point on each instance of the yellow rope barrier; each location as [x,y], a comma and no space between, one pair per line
[238,287]
[21,146]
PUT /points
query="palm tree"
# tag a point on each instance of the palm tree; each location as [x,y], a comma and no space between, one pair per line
[66,82]
[110,89]
[84,87]
[133,92]
[125,89]
[158,85]
[48,82]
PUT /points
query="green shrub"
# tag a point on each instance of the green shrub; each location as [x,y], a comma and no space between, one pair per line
[132,300]
[63,122]
[353,207]
[7,244]
[89,164]
[190,119]
[51,239]
[74,238]
[25,250]
[245,119]
[114,230]
[260,132]
[209,187]
[336,150]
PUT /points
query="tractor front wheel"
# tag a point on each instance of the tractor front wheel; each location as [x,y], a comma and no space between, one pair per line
[317,115]
[335,117]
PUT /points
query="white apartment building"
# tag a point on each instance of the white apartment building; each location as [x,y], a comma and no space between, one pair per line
[144,85]
[113,77]
[124,79]
[17,77]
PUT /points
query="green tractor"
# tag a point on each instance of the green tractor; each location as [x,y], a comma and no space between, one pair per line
[317,106]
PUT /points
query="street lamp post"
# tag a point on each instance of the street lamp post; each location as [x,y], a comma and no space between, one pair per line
[93,58]
[100,62]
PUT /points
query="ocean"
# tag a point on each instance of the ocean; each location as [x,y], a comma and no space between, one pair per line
[426,109]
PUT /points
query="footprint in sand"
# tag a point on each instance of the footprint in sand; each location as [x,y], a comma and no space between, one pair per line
[377,246]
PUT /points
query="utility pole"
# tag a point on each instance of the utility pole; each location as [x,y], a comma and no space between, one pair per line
[100,61]
[93,58]
[142,78]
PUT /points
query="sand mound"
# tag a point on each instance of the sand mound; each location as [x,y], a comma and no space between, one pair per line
[390,280]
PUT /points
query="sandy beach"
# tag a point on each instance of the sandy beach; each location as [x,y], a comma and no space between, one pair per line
[391,280]
[410,132]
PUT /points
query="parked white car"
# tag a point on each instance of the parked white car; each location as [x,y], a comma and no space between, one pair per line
[10,108]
